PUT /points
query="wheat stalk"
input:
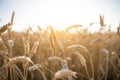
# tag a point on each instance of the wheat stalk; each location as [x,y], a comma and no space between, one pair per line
[55,58]
[83,61]
[96,41]
[81,58]
[34,48]
[106,52]
[64,73]
[19,59]
[72,26]
[81,47]
[36,67]
[6,26]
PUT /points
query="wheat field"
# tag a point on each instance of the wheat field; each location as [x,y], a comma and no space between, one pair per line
[59,55]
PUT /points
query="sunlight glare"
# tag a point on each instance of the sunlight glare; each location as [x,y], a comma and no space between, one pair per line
[94,28]
[59,13]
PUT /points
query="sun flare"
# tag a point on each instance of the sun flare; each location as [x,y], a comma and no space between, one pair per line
[59,13]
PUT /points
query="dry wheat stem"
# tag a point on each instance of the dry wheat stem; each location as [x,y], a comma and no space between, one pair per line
[48,69]
[43,75]
[55,58]
[107,55]
[17,59]
[81,58]
[107,66]
[83,61]
[64,73]
[19,72]
[81,47]
[114,66]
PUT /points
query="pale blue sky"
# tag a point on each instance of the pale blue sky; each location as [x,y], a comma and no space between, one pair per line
[59,13]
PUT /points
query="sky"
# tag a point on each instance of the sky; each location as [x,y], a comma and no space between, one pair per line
[59,13]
